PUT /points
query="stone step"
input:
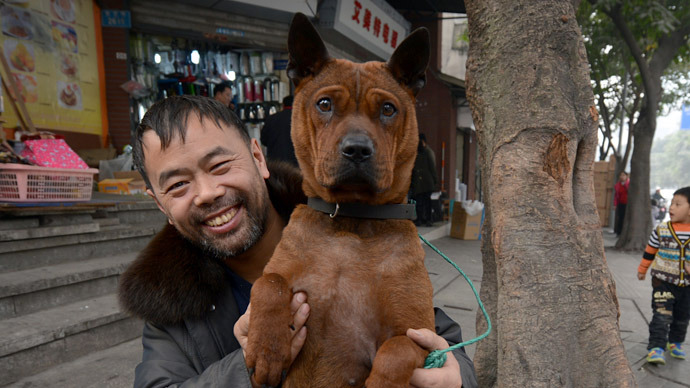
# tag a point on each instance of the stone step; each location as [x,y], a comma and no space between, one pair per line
[48,231]
[112,368]
[28,291]
[35,342]
[110,240]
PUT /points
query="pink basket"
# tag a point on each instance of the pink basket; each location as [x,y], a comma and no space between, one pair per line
[22,183]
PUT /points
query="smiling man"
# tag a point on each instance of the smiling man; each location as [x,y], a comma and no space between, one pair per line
[191,284]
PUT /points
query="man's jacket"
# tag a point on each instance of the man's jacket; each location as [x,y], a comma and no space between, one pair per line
[186,300]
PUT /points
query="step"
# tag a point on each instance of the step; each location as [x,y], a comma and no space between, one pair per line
[38,341]
[26,254]
[48,231]
[28,291]
[112,367]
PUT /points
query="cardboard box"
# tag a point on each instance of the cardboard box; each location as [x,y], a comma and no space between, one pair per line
[463,226]
[128,174]
[122,186]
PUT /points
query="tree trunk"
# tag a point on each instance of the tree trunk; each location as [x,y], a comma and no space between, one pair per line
[637,224]
[546,283]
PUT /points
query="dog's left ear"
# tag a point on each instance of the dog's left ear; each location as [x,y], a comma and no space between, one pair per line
[307,52]
[410,60]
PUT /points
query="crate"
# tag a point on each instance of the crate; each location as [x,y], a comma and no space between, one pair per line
[22,183]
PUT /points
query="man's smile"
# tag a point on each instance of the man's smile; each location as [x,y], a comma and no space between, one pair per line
[223,218]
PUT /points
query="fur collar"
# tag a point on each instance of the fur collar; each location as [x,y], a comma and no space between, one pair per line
[171,280]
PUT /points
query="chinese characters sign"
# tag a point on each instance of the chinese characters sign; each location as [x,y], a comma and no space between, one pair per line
[373,24]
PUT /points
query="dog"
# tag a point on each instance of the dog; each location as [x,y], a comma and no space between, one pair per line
[355,134]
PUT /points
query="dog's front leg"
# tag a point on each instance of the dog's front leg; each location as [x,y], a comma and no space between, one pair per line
[269,338]
[394,363]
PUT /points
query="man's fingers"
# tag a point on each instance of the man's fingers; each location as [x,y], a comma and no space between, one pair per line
[427,339]
[241,328]
[297,300]
[298,341]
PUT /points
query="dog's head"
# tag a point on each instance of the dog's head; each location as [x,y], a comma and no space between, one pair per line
[353,124]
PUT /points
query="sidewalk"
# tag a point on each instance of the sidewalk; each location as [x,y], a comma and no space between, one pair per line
[452,293]
[115,367]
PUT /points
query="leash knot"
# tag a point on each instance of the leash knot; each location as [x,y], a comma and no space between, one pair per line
[435,359]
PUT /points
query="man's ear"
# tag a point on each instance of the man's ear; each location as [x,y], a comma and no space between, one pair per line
[160,207]
[259,159]
[409,61]
[307,53]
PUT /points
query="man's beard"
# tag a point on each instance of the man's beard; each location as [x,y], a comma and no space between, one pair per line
[256,212]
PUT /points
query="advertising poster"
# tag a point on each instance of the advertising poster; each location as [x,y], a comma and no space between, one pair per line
[50,48]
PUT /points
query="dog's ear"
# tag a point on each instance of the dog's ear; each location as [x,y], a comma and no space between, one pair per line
[410,60]
[307,52]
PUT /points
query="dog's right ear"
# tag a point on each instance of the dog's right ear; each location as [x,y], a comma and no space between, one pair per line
[308,54]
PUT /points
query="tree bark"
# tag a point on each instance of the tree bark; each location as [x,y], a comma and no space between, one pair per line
[546,283]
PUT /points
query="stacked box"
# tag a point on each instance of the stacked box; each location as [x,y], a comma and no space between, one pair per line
[603,188]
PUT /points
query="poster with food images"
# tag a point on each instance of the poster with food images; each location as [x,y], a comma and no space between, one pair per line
[50,48]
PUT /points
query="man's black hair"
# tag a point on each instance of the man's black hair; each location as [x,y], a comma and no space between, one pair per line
[220,88]
[685,192]
[287,101]
[168,119]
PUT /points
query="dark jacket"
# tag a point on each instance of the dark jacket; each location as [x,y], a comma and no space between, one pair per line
[275,136]
[424,177]
[189,308]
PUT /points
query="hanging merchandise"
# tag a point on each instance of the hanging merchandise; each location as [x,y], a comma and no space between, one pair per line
[255,64]
[244,64]
[267,62]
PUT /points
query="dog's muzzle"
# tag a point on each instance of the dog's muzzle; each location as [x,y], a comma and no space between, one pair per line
[357,148]
[356,165]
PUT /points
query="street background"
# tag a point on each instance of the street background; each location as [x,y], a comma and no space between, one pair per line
[115,367]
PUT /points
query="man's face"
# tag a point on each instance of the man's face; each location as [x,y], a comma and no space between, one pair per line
[224,97]
[211,187]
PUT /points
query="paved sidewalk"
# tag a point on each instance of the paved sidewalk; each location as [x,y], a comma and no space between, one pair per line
[453,295]
[115,367]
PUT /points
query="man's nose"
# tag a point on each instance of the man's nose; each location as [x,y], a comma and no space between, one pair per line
[207,191]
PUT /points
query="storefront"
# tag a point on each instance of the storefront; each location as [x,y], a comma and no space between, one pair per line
[184,47]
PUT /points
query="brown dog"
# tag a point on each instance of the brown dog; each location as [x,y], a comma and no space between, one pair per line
[355,134]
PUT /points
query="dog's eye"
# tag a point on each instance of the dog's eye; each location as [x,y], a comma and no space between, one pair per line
[388,109]
[324,104]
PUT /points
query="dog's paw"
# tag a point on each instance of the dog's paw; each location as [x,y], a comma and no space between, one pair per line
[269,357]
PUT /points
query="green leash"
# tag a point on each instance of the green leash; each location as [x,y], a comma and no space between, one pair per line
[437,358]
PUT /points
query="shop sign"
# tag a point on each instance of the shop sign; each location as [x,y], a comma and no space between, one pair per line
[374,24]
[116,18]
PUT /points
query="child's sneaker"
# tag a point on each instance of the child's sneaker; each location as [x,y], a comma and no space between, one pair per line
[656,356]
[675,350]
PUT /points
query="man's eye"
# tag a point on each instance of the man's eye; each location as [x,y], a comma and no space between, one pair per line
[388,109]
[324,104]
[219,165]
[174,186]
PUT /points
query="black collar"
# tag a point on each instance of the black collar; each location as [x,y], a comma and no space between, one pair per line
[400,211]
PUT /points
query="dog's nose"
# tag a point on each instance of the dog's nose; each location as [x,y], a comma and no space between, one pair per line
[357,147]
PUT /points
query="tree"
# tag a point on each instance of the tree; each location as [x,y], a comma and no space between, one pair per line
[545,281]
[656,34]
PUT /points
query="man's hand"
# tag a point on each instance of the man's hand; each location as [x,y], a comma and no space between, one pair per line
[641,275]
[447,376]
[300,313]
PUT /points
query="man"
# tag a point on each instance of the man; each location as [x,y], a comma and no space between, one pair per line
[275,135]
[192,283]
[620,201]
[424,182]
[223,93]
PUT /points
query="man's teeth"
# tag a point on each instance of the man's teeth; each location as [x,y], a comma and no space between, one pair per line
[222,219]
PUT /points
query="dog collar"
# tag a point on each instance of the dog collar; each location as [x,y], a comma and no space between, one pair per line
[398,211]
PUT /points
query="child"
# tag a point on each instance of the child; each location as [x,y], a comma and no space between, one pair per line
[668,252]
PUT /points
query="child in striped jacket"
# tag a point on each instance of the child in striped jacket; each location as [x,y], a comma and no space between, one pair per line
[668,253]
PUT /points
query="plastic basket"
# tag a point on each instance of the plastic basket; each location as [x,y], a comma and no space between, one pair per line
[22,183]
